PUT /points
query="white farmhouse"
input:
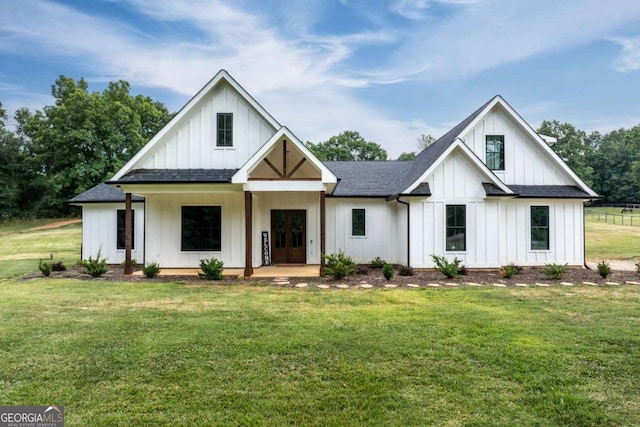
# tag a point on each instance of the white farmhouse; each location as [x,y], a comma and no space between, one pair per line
[224,179]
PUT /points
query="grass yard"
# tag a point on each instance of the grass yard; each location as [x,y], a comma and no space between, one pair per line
[611,241]
[172,354]
[152,353]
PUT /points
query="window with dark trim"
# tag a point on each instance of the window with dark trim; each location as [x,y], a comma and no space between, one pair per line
[495,152]
[201,228]
[224,130]
[120,243]
[358,222]
[456,227]
[539,227]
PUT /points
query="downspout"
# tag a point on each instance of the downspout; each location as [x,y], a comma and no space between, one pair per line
[408,231]
[584,239]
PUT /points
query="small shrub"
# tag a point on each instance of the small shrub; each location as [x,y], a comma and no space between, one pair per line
[45,268]
[362,270]
[339,265]
[377,262]
[450,269]
[58,266]
[554,271]
[405,270]
[97,266]
[151,270]
[387,271]
[604,269]
[211,269]
[508,271]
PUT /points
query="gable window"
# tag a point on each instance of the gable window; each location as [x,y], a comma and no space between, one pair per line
[495,152]
[456,227]
[358,222]
[120,242]
[201,228]
[539,227]
[224,130]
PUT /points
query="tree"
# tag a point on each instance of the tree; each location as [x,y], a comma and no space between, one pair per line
[573,147]
[348,145]
[407,156]
[424,141]
[85,137]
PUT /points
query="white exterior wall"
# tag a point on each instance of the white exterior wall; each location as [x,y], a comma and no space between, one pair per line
[191,143]
[526,163]
[99,231]
[385,228]
[164,220]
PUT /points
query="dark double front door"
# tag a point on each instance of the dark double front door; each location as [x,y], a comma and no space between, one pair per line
[288,236]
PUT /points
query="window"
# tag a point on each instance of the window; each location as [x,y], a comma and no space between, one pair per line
[495,152]
[201,228]
[120,226]
[225,130]
[357,222]
[456,227]
[539,227]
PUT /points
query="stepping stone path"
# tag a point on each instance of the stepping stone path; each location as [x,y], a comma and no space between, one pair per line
[522,285]
[566,284]
[342,286]
[544,285]
[590,283]
[324,286]
[450,284]
[499,285]
[473,284]
[632,283]
[433,285]
[302,285]
[366,286]
[412,285]
[390,286]
[612,283]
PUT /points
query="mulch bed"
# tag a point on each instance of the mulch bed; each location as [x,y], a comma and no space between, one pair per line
[374,277]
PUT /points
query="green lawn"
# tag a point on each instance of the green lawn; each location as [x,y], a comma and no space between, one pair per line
[612,241]
[153,354]
[176,354]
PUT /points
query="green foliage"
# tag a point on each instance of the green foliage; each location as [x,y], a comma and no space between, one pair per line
[508,271]
[638,267]
[604,269]
[405,270]
[97,266]
[387,271]
[211,269]
[554,271]
[339,265]
[58,266]
[349,145]
[377,262]
[407,156]
[425,141]
[73,145]
[45,268]
[450,269]
[151,270]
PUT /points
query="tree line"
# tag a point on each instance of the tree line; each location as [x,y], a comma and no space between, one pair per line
[85,137]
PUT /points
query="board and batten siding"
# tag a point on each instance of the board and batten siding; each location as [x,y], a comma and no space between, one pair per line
[526,162]
[99,231]
[385,229]
[498,232]
[192,142]
[164,220]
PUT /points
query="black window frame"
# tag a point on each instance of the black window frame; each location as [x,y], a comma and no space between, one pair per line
[457,213]
[358,222]
[540,228]
[494,153]
[224,130]
[199,237]
[120,230]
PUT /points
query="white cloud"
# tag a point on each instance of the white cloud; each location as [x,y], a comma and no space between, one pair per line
[418,9]
[629,58]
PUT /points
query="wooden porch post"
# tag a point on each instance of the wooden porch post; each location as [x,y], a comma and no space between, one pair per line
[128,266]
[322,230]
[248,231]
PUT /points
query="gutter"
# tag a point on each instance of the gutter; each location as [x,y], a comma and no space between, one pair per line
[408,230]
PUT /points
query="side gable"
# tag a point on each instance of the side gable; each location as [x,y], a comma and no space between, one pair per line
[188,141]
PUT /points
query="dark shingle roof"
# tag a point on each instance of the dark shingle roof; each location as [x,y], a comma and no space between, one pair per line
[491,189]
[368,179]
[160,176]
[422,189]
[550,192]
[103,193]
[433,152]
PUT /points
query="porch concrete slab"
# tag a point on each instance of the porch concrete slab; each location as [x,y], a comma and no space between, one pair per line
[282,272]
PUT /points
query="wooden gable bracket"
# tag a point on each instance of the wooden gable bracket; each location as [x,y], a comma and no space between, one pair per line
[283,175]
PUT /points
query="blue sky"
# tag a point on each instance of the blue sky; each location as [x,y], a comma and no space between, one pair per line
[391,70]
